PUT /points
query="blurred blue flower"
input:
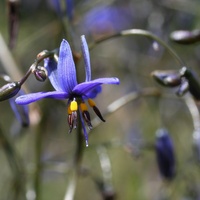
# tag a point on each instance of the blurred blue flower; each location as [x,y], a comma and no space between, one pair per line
[107,19]
[56,5]
[21,111]
[165,154]
[63,78]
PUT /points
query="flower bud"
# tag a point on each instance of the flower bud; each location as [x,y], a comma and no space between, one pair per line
[185,37]
[40,73]
[183,88]
[165,154]
[193,82]
[9,90]
[169,78]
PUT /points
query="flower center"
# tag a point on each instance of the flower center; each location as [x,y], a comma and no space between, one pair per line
[72,113]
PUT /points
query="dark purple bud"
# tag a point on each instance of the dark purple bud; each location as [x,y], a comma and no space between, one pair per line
[41,73]
[183,88]
[165,154]
[9,90]
[193,81]
[169,78]
[185,37]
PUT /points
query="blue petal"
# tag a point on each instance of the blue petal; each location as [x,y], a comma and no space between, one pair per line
[29,98]
[51,65]
[66,68]
[85,87]
[86,57]
[94,92]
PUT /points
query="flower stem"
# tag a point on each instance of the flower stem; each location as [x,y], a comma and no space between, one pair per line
[70,192]
[16,167]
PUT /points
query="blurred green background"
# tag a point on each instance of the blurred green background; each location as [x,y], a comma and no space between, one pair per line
[128,134]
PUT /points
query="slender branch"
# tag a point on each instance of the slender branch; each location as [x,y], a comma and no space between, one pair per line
[71,188]
[140,32]
[119,103]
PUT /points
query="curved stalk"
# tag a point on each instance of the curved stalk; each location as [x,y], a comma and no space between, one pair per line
[140,32]
[119,103]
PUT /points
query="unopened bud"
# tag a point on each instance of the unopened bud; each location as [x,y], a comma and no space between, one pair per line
[167,78]
[165,154]
[9,90]
[183,88]
[40,73]
[185,37]
[193,82]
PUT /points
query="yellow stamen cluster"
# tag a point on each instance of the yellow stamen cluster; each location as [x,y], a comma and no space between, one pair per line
[72,113]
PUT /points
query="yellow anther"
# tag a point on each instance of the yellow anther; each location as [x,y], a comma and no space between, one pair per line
[83,106]
[73,106]
[91,102]
[69,110]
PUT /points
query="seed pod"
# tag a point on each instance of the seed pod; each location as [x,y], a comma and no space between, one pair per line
[40,73]
[165,154]
[169,78]
[9,90]
[185,37]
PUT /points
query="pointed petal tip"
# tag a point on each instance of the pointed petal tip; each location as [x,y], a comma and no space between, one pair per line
[86,143]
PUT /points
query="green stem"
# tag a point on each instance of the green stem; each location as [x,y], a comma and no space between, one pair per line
[70,192]
[38,164]
[141,32]
[16,167]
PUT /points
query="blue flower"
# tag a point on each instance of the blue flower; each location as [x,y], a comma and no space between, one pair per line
[63,78]
[165,154]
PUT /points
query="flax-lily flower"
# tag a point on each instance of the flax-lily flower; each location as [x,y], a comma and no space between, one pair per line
[63,78]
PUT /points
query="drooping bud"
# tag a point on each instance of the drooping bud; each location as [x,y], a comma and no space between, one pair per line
[41,73]
[96,110]
[185,37]
[9,90]
[183,88]
[165,154]
[193,81]
[169,78]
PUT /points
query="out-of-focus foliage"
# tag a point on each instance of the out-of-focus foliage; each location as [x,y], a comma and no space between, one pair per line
[43,153]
